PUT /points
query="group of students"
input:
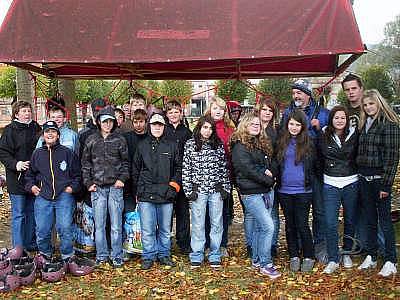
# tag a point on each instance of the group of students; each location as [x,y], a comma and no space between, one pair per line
[311,158]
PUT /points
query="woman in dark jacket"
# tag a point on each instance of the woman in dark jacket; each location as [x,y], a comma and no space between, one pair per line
[16,147]
[269,113]
[251,158]
[337,147]
[377,160]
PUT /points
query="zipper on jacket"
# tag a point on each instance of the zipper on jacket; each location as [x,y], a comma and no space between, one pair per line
[52,175]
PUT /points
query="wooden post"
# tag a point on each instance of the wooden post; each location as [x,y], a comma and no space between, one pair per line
[67,89]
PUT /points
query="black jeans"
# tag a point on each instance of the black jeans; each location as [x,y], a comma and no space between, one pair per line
[375,208]
[182,219]
[296,209]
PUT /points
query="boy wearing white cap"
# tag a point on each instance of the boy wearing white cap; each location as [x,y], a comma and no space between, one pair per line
[105,169]
[156,175]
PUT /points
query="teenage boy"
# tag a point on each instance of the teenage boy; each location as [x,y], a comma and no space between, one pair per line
[68,137]
[105,169]
[138,102]
[132,139]
[53,176]
[353,88]
[156,174]
[139,121]
[177,131]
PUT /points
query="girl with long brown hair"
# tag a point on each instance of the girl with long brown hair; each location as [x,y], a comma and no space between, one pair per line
[296,160]
[337,146]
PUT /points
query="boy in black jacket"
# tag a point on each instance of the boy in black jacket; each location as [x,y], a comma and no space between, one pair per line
[177,131]
[53,176]
[105,170]
[156,173]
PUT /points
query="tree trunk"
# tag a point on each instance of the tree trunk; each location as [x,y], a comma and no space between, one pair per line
[67,89]
[25,86]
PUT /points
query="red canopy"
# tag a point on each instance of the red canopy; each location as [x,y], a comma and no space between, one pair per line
[180,39]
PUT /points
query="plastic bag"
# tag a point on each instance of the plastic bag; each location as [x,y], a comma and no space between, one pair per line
[132,233]
[84,228]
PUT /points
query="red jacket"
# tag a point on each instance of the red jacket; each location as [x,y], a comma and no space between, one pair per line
[224,133]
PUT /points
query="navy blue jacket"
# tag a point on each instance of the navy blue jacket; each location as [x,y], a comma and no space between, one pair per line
[52,170]
[310,111]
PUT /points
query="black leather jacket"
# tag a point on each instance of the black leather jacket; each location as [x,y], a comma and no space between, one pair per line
[338,161]
[249,170]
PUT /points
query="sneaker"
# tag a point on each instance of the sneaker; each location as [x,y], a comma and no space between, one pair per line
[147,264]
[100,262]
[307,265]
[126,256]
[320,253]
[117,262]
[224,252]
[270,271]
[166,261]
[347,262]
[195,264]
[295,264]
[331,267]
[388,269]
[367,263]
[255,264]
[215,264]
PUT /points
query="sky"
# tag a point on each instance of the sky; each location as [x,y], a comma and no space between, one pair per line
[371,16]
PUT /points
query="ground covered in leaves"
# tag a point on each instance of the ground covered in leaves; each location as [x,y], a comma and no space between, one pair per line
[235,280]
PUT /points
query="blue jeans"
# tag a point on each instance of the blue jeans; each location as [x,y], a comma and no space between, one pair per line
[198,237]
[63,208]
[263,228]
[23,221]
[109,199]
[155,220]
[318,212]
[375,210]
[249,221]
[333,197]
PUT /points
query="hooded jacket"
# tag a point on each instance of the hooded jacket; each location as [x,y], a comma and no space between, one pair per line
[52,170]
[105,160]
[156,163]
[17,143]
